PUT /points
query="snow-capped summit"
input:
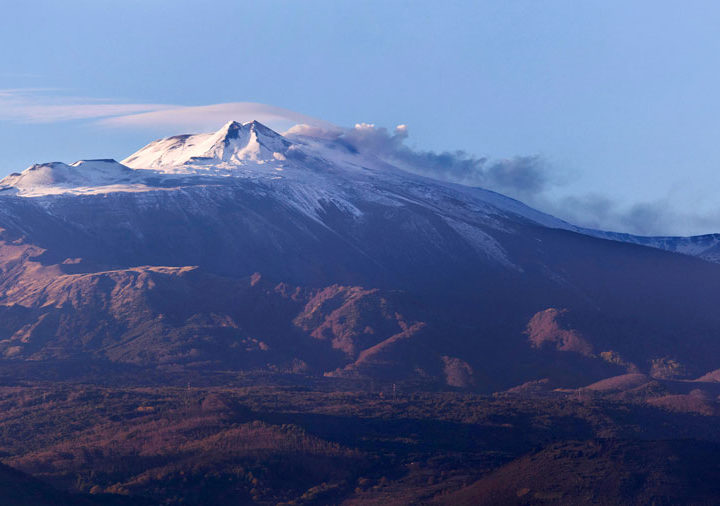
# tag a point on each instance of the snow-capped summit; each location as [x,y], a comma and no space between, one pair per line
[235,143]
[307,173]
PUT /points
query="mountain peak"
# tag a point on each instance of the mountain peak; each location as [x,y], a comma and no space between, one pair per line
[252,124]
[234,143]
[231,129]
[235,130]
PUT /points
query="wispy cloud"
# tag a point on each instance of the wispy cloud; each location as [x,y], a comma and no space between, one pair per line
[197,118]
[39,105]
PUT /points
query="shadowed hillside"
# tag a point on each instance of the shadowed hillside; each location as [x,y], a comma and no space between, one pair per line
[603,472]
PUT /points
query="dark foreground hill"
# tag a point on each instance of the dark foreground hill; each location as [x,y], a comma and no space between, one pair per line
[20,489]
[604,472]
[325,444]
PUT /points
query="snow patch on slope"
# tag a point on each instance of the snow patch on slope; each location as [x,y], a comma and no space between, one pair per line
[482,242]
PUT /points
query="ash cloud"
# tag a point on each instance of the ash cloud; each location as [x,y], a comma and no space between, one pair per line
[656,218]
[527,178]
[520,177]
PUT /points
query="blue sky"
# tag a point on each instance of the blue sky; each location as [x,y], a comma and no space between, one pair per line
[617,100]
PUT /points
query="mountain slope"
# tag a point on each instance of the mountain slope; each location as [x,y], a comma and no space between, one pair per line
[366,271]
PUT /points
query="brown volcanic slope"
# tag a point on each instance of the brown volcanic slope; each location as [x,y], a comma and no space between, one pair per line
[188,316]
[603,472]
[184,316]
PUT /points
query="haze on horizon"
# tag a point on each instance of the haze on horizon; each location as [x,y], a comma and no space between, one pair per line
[602,113]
